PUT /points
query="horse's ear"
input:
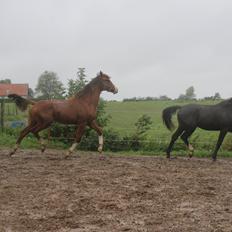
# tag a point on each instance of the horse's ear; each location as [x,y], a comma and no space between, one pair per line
[101,73]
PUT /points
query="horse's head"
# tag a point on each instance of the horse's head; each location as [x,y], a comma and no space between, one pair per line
[106,83]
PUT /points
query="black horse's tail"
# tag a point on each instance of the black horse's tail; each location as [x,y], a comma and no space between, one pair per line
[167,116]
[21,103]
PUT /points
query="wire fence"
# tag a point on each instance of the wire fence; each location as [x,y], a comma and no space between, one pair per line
[144,141]
[158,139]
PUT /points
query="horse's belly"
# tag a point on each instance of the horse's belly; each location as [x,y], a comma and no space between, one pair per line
[70,118]
[66,121]
[210,127]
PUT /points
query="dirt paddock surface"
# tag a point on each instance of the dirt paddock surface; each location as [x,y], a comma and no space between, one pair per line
[44,192]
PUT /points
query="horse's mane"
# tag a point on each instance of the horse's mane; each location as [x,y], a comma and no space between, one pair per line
[87,88]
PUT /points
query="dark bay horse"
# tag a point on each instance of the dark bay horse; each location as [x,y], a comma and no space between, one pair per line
[208,117]
[81,110]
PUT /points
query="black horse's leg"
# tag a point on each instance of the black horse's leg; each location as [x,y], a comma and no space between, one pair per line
[175,136]
[185,137]
[219,143]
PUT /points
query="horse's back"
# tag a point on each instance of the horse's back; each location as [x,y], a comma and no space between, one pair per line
[188,115]
[62,111]
[208,117]
[42,111]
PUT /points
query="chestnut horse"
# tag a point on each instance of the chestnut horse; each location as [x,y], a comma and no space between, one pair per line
[81,110]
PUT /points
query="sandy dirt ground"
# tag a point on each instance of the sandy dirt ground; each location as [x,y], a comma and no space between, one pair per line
[45,192]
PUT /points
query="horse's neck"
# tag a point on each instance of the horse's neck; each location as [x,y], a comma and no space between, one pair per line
[92,97]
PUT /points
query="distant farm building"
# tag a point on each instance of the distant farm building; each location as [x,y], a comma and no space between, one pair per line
[5,90]
[20,89]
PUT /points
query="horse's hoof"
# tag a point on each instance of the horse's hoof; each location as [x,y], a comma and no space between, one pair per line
[67,154]
[66,157]
[11,154]
[100,149]
[43,149]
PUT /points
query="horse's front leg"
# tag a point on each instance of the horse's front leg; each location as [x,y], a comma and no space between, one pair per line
[98,129]
[79,133]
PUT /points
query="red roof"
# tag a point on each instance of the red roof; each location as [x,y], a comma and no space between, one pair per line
[20,89]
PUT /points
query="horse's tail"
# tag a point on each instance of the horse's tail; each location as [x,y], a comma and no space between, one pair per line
[21,103]
[167,116]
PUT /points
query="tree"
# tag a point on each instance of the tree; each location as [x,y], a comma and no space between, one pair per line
[217,96]
[189,93]
[49,86]
[143,124]
[30,93]
[76,85]
[102,117]
[5,81]
[182,97]
[164,98]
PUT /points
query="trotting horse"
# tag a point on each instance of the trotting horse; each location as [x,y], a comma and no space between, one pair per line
[81,110]
[209,117]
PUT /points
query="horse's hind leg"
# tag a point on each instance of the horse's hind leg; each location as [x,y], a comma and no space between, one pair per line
[36,131]
[184,137]
[23,133]
[98,129]
[175,136]
[80,131]
[219,143]
[41,141]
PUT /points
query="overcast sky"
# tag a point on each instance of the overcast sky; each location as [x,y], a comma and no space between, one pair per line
[148,47]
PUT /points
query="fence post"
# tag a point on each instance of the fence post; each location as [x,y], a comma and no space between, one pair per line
[2,113]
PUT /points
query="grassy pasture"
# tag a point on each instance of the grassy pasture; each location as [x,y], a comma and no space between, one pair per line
[123,117]
[125,114]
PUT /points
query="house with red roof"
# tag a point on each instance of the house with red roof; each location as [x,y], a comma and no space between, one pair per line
[20,89]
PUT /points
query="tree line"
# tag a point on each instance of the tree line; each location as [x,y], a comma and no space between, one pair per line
[188,95]
[49,85]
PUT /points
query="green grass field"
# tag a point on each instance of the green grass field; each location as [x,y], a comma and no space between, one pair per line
[125,114]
